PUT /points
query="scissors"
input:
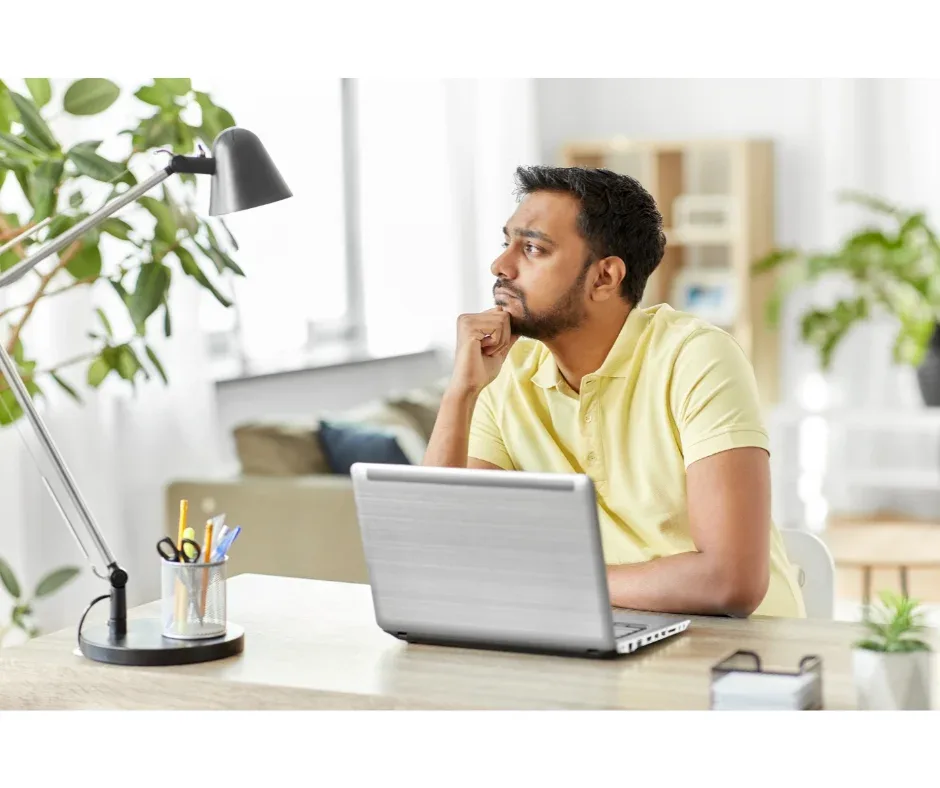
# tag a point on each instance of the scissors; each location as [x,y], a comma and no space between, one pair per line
[169,551]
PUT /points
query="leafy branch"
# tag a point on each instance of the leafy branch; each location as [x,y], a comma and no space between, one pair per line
[895,627]
[893,267]
[56,180]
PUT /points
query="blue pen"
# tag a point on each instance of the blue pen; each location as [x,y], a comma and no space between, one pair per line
[226,543]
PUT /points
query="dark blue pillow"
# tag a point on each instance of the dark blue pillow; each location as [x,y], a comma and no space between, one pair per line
[345,444]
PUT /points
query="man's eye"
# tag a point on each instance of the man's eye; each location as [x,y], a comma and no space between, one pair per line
[532,249]
[505,244]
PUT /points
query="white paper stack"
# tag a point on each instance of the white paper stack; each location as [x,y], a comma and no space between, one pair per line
[764,692]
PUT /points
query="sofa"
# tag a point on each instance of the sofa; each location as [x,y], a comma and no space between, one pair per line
[293,496]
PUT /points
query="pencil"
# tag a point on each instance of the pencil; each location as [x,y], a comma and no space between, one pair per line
[180,601]
[205,575]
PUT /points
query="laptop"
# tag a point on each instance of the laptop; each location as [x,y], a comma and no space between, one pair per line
[493,559]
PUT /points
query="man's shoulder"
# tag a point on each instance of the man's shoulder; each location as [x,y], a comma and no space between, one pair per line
[672,330]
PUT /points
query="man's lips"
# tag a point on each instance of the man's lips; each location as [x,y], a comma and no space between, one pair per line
[501,292]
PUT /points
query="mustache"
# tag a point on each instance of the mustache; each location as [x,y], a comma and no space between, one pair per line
[503,284]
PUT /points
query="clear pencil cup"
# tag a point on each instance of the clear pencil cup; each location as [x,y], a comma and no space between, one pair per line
[193,599]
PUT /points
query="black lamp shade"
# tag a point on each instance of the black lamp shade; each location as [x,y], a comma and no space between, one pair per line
[245,176]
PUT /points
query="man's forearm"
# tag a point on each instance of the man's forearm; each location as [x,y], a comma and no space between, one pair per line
[450,439]
[688,583]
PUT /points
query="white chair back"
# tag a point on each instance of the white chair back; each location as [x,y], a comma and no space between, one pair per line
[816,571]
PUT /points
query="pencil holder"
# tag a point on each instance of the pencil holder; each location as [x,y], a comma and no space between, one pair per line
[193,599]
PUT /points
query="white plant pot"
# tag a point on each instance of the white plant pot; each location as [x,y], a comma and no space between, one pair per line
[893,682]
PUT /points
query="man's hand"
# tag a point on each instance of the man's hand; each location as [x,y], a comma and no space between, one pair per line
[483,342]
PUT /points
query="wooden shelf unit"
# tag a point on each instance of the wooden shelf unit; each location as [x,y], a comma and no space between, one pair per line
[742,172]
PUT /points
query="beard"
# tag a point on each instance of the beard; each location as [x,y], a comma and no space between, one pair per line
[566,314]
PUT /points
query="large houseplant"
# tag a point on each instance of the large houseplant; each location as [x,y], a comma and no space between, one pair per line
[893,266]
[133,268]
[892,665]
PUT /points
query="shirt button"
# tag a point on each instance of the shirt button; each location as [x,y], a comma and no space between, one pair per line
[591,457]
[588,417]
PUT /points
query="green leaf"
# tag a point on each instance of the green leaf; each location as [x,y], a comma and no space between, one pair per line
[7,108]
[89,163]
[88,145]
[104,321]
[151,288]
[8,260]
[53,581]
[40,90]
[86,264]
[191,268]
[35,129]
[167,325]
[166,228]
[214,119]
[19,149]
[154,132]
[90,96]
[44,188]
[231,238]
[178,87]
[156,363]
[98,371]
[76,199]
[155,95]
[127,364]
[116,227]
[7,577]
[66,387]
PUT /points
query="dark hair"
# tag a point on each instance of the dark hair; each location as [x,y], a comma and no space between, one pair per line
[618,217]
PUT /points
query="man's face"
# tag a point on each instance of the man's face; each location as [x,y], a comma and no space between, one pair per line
[540,277]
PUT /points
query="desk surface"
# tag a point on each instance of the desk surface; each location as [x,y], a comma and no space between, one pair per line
[312,644]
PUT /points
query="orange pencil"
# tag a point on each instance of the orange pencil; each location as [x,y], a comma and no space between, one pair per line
[207,550]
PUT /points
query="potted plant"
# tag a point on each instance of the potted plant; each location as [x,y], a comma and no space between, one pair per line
[21,616]
[892,666]
[893,266]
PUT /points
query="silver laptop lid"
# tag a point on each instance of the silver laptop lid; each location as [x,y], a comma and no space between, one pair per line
[484,556]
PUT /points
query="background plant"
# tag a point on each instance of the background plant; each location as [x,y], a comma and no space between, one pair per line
[21,616]
[894,269]
[895,626]
[138,272]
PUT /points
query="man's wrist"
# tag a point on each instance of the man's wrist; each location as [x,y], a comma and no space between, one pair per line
[462,394]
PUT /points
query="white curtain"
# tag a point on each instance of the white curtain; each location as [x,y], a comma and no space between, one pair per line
[436,166]
[122,448]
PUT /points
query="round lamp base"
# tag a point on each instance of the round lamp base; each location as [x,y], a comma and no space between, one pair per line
[144,644]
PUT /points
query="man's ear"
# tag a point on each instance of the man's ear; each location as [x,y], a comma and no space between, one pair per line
[610,272]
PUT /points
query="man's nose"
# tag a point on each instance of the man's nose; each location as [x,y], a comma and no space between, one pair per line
[503,266]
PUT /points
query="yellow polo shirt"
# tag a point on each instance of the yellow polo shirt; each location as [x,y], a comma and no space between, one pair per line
[672,390]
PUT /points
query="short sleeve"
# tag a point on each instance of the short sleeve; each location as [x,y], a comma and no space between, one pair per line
[486,439]
[714,397]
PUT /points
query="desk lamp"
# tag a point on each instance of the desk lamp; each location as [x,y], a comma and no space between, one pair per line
[243,177]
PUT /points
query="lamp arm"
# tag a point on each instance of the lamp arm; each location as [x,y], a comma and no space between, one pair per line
[27,264]
[116,575]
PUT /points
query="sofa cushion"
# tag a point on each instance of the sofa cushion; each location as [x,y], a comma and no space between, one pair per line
[279,448]
[347,443]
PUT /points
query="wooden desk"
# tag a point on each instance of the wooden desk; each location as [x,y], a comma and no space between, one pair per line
[314,645]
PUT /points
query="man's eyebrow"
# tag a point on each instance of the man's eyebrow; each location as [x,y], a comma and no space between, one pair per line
[530,234]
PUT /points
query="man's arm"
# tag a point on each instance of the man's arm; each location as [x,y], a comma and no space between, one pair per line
[448,445]
[483,342]
[729,515]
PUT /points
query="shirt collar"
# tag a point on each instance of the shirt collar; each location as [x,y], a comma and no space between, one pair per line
[616,364]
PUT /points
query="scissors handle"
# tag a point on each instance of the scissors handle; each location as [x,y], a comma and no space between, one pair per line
[190,552]
[167,549]
[169,552]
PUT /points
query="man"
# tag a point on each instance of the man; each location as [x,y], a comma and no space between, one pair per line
[658,407]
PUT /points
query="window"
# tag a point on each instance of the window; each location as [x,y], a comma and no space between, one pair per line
[294,252]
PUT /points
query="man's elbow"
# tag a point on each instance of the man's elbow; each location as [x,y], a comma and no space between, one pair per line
[741,593]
